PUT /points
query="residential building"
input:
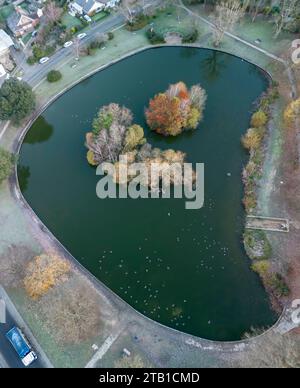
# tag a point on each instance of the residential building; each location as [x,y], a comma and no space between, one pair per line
[90,7]
[21,22]
[5,43]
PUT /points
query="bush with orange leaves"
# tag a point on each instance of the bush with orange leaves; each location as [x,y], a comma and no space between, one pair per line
[253,138]
[176,110]
[43,273]
[292,112]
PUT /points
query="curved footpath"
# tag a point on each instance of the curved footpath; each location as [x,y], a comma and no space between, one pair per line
[160,345]
[149,334]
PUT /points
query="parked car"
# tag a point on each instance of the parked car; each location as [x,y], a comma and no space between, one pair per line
[68,44]
[87,18]
[44,60]
[21,345]
[81,36]
[34,34]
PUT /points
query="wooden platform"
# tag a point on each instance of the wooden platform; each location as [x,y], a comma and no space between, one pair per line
[268,224]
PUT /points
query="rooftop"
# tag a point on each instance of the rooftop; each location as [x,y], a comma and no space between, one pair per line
[5,41]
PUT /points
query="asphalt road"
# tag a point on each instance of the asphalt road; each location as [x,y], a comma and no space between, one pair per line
[8,354]
[34,74]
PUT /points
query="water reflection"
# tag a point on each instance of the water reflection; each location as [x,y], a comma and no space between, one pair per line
[213,65]
[23,175]
[191,52]
[41,132]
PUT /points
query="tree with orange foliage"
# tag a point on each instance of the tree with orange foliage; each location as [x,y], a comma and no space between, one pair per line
[43,273]
[176,110]
[164,115]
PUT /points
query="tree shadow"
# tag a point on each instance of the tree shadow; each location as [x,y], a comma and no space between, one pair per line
[40,132]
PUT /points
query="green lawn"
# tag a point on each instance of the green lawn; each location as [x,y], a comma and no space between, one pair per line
[26,38]
[70,21]
[99,16]
[171,20]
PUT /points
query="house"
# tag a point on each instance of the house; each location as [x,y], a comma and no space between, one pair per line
[21,22]
[90,7]
[5,43]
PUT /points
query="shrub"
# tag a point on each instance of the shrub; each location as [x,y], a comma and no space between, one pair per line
[253,139]
[54,76]
[6,164]
[154,37]
[257,245]
[40,52]
[140,22]
[190,37]
[31,60]
[250,202]
[292,111]
[43,273]
[73,30]
[259,119]
[262,268]
[96,44]
[90,158]
[278,285]
[111,36]
[134,137]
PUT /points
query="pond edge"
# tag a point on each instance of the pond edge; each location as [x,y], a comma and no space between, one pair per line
[204,344]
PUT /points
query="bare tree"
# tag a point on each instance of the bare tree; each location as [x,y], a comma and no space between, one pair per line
[228,14]
[254,7]
[127,8]
[72,312]
[13,262]
[52,12]
[41,36]
[286,10]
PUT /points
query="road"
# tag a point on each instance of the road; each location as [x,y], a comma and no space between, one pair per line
[8,356]
[34,74]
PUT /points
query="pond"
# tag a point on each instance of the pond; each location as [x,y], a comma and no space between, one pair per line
[186,269]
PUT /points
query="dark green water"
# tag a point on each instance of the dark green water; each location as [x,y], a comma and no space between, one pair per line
[186,269]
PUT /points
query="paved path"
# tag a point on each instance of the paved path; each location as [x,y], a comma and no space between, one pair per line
[104,349]
[149,331]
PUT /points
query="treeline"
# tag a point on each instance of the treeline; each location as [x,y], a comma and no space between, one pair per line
[285,13]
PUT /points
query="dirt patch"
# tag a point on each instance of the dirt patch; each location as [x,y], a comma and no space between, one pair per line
[173,38]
